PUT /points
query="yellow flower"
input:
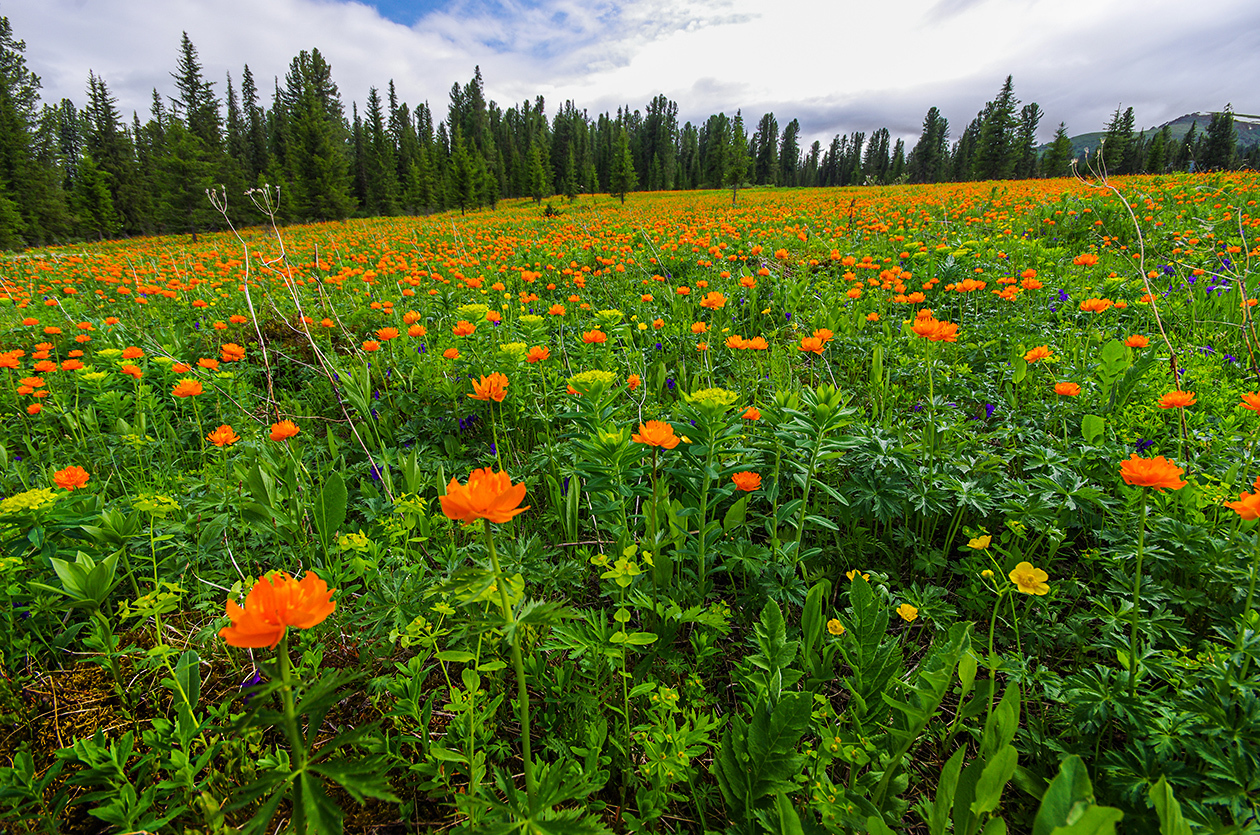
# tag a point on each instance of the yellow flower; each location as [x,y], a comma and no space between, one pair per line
[835,627]
[980,542]
[907,612]
[1030,580]
[852,575]
[987,573]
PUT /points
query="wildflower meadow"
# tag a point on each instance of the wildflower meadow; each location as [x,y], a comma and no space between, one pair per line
[906,509]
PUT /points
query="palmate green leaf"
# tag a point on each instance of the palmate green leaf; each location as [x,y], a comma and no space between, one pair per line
[361,778]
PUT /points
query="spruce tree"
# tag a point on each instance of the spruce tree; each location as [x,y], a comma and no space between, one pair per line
[623,178]
[1059,156]
[789,154]
[994,155]
[1221,142]
[737,157]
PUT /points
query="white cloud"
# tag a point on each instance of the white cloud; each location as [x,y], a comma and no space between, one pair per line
[838,65]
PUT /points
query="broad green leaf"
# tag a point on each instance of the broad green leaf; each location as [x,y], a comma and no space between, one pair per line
[997,773]
[456,656]
[1169,810]
[1069,787]
[1096,820]
[1092,428]
[330,507]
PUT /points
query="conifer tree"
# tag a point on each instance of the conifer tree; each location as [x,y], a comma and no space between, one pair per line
[1221,142]
[1059,156]
[623,178]
[737,164]
[995,141]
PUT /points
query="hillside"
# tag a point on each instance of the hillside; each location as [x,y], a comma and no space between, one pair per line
[1247,126]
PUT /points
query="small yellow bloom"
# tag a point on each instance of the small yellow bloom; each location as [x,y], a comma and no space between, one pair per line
[1030,580]
[835,627]
[987,573]
[980,542]
[908,613]
[852,575]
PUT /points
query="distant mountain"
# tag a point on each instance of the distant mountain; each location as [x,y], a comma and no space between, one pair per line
[1245,125]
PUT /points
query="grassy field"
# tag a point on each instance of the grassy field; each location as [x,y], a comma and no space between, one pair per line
[919,509]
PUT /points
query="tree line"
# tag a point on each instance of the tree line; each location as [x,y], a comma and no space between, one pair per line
[69,172]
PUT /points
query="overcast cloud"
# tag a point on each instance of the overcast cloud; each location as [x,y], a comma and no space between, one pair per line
[836,65]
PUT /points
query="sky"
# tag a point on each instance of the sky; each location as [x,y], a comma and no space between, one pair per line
[835,65]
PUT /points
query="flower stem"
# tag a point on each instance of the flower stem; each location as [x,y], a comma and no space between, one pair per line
[1137,598]
[522,692]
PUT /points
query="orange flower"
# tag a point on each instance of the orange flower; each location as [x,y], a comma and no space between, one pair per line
[71,478]
[556,310]
[34,409]
[1067,389]
[283,430]
[386,334]
[594,337]
[273,605]
[656,433]
[823,334]
[223,436]
[751,413]
[1095,305]
[132,353]
[463,328]
[713,300]
[1137,341]
[45,366]
[493,388]
[451,354]
[757,343]
[1250,400]
[1247,506]
[208,363]
[417,330]
[699,327]
[1157,472]
[488,495]
[1041,352]
[187,388]
[231,352]
[633,382]
[537,354]
[371,345]
[1177,400]
[657,324]
[746,481]
[736,343]
[237,319]
[71,365]
[1086,259]
[810,344]
[132,371]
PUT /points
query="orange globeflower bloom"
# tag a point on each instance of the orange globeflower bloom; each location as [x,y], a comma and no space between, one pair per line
[71,478]
[223,436]
[1248,504]
[371,345]
[1041,352]
[71,365]
[699,327]
[1177,400]
[187,388]
[757,343]
[594,337]
[556,310]
[746,481]
[451,354]
[1157,472]
[537,354]
[237,319]
[231,352]
[1067,389]
[45,366]
[1250,400]
[283,430]
[1095,305]
[34,409]
[273,605]
[751,413]
[132,353]
[748,281]
[30,321]
[488,495]
[736,343]
[823,334]
[386,334]
[417,330]
[489,388]
[633,382]
[658,323]
[8,360]
[713,300]
[208,363]
[656,433]
[463,328]
[1137,341]
[178,368]
[811,344]
[132,371]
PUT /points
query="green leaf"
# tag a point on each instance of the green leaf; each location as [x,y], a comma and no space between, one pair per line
[1069,787]
[735,515]
[938,815]
[993,779]
[330,507]
[316,812]
[1092,428]
[995,826]
[188,676]
[456,656]
[362,779]
[1096,820]
[1019,370]
[876,826]
[1169,810]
